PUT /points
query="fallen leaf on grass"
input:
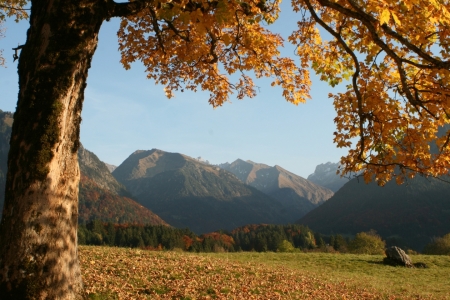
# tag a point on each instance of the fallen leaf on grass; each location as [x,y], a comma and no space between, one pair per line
[137,274]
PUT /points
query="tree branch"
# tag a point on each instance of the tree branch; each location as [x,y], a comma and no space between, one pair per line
[177,32]
[130,8]
[362,115]
[369,22]
[126,8]
[13,8]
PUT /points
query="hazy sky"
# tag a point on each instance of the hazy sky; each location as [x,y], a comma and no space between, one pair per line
[123,112]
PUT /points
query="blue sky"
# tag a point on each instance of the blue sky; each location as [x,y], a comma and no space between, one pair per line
[123,112]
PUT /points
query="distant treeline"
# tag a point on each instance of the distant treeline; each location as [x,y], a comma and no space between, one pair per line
[260,238]
[248,238]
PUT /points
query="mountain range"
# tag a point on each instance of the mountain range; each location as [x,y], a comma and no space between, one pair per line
[188,193]
[157,187]
[185,192]
[297,195]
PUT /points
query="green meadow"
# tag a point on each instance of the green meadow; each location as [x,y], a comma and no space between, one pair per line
[363,270]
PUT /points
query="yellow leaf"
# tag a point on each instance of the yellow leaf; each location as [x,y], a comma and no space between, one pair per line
[396,20]
[385,16]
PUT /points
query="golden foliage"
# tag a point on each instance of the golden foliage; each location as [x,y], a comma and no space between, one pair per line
[186,45]
[395,56]
[13,8]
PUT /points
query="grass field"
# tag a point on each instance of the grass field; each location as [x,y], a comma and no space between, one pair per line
[119,273]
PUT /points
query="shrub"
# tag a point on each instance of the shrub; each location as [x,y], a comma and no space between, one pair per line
[218,249]
[285,246]
[411,252]
[339,243]
[439,246]
[367,243]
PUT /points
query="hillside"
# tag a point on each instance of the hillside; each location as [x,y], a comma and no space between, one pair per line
[97,203]
[297,195]
[100,196]
[409,214]
[188,193]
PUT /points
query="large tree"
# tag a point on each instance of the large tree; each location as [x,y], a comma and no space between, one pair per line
[181,42]
[394,54]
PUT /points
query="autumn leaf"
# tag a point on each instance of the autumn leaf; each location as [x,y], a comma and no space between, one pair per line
[385,16]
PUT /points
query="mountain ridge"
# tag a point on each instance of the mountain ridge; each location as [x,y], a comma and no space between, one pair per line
[92,167]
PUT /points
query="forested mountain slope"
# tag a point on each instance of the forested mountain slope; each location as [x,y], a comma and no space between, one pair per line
[411,213]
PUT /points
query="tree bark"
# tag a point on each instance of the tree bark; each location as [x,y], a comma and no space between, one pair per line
[38,231]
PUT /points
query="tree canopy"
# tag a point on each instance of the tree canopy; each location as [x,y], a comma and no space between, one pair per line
[396,56]
[392,56]
[13,8]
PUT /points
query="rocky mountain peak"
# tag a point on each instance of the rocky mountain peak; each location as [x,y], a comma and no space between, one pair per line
[325,175]
[148,163]
[110,167]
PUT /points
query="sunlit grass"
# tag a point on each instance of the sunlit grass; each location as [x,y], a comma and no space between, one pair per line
[361,270]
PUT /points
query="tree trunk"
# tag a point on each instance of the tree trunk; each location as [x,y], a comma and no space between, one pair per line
[38,232]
